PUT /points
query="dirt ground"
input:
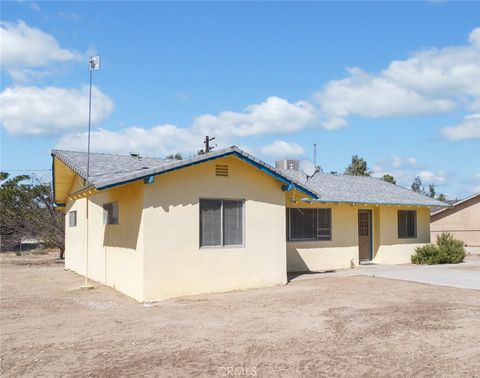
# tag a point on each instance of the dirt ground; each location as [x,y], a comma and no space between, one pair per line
[329,327]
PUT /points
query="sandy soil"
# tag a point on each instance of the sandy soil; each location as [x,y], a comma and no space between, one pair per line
[350,326]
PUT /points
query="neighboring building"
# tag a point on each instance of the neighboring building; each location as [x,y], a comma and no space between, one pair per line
[224,221]
[462,219]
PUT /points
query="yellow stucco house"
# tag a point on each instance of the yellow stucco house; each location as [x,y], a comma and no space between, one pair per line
[156,229]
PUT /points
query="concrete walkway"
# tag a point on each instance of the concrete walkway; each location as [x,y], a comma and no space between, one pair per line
[465,275]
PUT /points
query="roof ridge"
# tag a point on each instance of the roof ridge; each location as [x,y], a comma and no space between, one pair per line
[107,153]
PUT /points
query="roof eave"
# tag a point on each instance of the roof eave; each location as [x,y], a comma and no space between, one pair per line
[360,203]
[232,151]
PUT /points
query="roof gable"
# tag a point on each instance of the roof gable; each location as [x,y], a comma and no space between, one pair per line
[107,170]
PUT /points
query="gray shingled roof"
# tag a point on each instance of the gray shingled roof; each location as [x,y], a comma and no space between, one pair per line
[106,166]
[360,190]
[107,170]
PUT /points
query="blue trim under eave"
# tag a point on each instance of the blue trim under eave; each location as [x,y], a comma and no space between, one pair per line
[232,153]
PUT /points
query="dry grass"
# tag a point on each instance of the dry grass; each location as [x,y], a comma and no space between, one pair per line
[352,326]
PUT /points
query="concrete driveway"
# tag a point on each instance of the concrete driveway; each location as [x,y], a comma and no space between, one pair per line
[465,275]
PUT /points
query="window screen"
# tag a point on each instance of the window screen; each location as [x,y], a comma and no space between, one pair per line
[210,222]
[221,222]
[309,224]
[72,218]
[110,213]
[324,224]
[407,224]
[232,222]
[303,224]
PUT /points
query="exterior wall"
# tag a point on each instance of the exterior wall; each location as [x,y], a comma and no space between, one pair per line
[115,252]
[175,265]
[75,236]
[393,250]
[463,221]
[342,250]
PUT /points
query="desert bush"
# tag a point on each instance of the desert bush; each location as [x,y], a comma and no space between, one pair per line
[447,251]
[426,254]
[452,249]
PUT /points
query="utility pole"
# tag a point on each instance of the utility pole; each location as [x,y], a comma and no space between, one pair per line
[207,144]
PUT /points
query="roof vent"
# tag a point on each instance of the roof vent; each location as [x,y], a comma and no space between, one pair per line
[221,170]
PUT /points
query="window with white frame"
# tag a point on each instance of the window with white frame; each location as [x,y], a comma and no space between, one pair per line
[309,224]
[72,218]
[221,222]
[407,224]
[110,213]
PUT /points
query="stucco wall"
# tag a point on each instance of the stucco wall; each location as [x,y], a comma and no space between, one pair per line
[463,222]
[175,265]
[342,250]
[75,236]
[337,253]
[115,255]
[393,250]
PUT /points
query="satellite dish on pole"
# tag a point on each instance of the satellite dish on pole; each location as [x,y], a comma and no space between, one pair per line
[308,167]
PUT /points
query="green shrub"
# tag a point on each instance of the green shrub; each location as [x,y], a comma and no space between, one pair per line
[427,254]
[447,251]
[452,249]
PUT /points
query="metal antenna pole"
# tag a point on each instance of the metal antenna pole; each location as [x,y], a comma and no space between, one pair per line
[89,121]
[315,154]
[94,64]
[88,172]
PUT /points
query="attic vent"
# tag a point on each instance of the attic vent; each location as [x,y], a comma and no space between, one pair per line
[221,170]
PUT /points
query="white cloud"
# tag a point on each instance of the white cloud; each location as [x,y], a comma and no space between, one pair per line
[468,129]
[437,177]
[373,96]
[474,36]
[50,110]
[160,141]
[282,149]
[431,81]
[405,169]
[401,162]
[273,116]
[26,46]
[29,53]
[26,75]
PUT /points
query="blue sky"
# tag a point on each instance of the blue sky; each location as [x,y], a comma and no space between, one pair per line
[396,83]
